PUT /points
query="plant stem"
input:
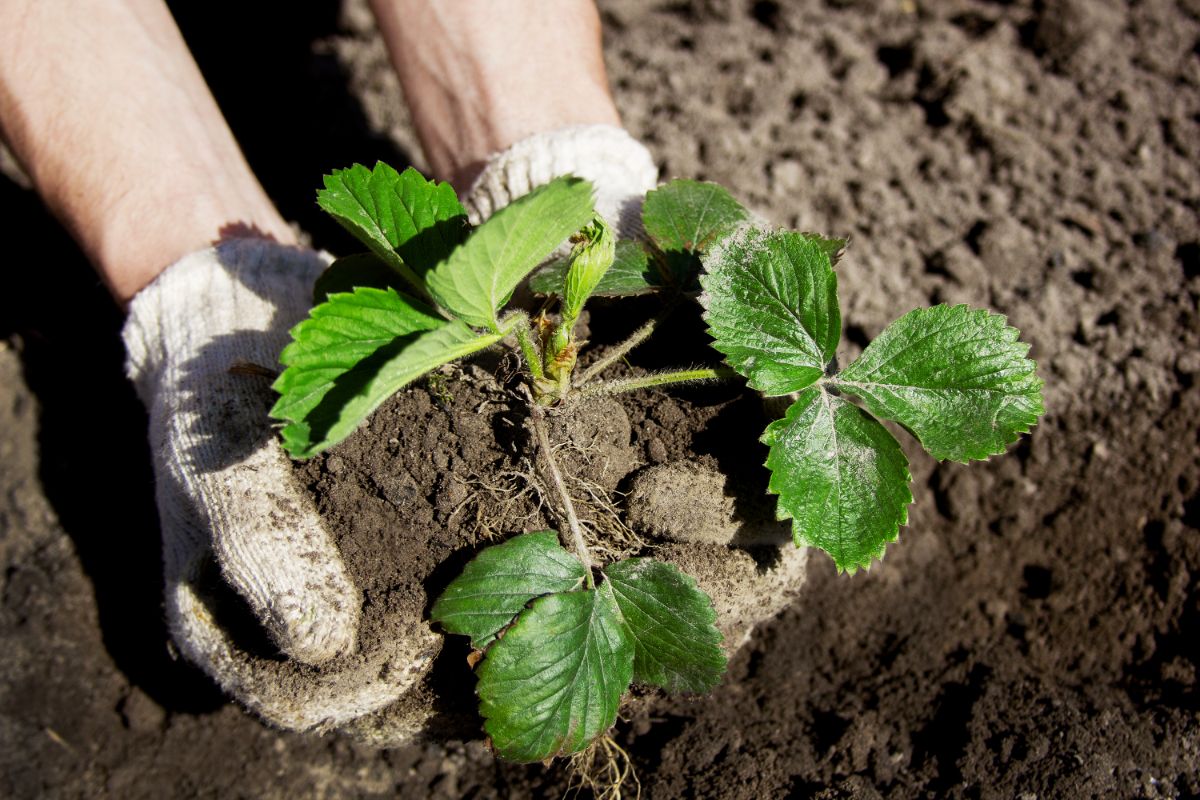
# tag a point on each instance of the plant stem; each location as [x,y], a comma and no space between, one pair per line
[618,352]
[581,549]
[530,350]
[657,379]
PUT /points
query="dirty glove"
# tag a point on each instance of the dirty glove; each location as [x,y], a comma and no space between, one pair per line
[232,515]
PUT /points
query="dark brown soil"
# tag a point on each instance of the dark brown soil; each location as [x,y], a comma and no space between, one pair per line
[1027,637]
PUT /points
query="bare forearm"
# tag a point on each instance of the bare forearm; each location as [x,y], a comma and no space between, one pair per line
[480,75]
[105,108]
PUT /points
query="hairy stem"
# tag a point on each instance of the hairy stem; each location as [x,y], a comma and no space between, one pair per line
[657,379]
[618,352]
[529,349]
[581,549]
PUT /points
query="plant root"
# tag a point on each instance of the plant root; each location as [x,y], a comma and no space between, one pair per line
[568,507]
[603,531]
[604,769]
[499,504]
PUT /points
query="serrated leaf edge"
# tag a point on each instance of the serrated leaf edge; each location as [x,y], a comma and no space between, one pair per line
[717,189]
[782,514]
[598,591]
[740,234]
[383,249]
[488,283]
[561,555]
[290,426]
[1036,384]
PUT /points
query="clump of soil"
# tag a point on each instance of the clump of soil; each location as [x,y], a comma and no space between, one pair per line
[449,466]
[434,475]
[680,500]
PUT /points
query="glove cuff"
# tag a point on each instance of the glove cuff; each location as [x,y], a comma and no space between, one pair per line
[620,168]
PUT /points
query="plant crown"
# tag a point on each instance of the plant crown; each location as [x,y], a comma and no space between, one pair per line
[561,645]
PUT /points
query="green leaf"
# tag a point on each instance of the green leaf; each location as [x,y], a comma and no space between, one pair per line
[840,476]
[495,586]
[672,624]
[351,354]
[340,333]
[683,219]
[632,272]
[362,270]
[479,277]
[771,304]
[689,216]
[956,377]
[407,221]
[553,682]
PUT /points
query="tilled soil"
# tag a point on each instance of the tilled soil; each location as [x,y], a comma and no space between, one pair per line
[1027,637]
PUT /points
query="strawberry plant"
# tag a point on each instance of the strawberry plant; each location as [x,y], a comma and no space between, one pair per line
[560,637]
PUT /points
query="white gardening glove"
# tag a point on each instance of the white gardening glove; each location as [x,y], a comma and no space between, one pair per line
[226,494]
[227,498]
[619,167]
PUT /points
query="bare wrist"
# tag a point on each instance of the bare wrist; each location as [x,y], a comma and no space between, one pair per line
[121,137]
[480,76]
[131,244]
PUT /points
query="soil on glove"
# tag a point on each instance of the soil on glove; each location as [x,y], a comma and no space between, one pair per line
[1026,637]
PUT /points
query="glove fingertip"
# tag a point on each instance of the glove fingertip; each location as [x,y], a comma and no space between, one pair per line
[315,627]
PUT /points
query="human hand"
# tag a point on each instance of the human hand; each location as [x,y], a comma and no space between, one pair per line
[232,515]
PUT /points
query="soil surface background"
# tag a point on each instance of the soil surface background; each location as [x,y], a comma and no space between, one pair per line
[1026,637]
